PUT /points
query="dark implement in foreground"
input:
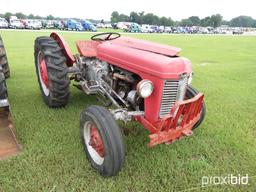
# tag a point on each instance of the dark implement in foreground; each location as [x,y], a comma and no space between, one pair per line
[136,80]
[8,142]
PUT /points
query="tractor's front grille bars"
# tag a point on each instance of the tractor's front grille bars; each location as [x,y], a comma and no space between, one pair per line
[169,96]
[173,90]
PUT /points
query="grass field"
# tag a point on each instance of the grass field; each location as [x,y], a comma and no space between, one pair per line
[52,158]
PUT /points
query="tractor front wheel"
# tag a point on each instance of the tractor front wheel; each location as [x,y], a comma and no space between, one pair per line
[52,72]
[102,140]
[192,92]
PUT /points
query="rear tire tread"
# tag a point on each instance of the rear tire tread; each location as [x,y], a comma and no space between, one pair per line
[57,71]
[3,60]
[3,87]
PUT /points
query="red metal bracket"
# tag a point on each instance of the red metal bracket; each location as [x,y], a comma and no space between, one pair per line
[179,123]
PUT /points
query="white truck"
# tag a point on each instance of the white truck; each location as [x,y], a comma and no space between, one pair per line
[33,24]
[146,29]
[3,23]
[16,23]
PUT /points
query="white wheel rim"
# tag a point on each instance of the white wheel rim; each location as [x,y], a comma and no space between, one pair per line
[87,136]
[44,87]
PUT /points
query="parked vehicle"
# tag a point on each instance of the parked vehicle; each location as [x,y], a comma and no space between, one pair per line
[237,31]
[74,25]
[146,29]
[175,30]
[168,30]
[203,30]
[108,26]
[3,23]
[156,29]
[114,25]
[100,25]
[59,25]
[219,31]
[194,29]
[16,24]
[138,80]
[133,28]
[47,24]
[88,26]
[33,24]
[123,25]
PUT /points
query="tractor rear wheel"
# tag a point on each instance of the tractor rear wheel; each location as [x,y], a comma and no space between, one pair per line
[52,72]
[3,60]
[3,88]
[192,92]
[102,140]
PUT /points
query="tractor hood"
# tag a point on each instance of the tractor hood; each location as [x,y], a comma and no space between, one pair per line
[147,46]
[143,57]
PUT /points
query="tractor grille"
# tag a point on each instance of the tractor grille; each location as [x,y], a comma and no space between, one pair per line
[173,90]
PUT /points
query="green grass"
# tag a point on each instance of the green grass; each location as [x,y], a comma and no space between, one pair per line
[52,158]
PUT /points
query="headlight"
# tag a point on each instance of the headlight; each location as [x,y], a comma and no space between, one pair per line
[145,88]
[190,78]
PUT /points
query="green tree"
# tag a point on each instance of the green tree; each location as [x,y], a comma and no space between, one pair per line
[206,22]
[123,17]
[38,17]
[148,18]
[141,14]
[7,16]
[156,20]
[134,17]
[31,16]
[20,15]
[170,22]
[242,21]
[186,22]
[49,17]
[254,24]
[195,20]
[164,21]
[151,19]
[225,22]
[114,17]
[216,20]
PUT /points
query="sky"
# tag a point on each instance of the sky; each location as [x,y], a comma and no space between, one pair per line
[97,9]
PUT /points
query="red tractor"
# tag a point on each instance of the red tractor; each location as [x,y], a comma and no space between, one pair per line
[137,80]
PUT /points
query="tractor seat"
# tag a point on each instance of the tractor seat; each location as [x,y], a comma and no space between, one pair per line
[87,48]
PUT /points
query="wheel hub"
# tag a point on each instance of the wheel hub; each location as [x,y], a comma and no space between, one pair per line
[96,141]
[44,73]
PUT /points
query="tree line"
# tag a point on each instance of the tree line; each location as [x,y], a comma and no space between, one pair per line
[20,15]
[152,19]
[212,21]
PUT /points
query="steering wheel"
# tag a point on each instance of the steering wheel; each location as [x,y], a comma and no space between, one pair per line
[105,36]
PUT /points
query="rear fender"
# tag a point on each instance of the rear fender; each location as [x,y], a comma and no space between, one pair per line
[66,50]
